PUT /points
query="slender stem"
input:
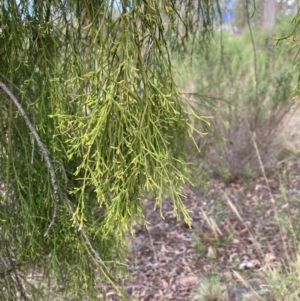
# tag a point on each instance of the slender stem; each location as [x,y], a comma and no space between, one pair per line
[43,151]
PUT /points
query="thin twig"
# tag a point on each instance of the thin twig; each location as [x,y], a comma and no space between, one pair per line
[43,151]
[30,104]
[253,136]
[249,229]
[17,279]
[254,50]
[270,191]
[152,246]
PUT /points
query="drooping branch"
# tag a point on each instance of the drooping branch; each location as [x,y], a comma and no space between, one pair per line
[29,103]
[80,228]
[42,149]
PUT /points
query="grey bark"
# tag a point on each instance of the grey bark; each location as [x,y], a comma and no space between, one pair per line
[269,14]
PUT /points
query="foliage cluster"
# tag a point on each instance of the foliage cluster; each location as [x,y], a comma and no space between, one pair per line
[90,119]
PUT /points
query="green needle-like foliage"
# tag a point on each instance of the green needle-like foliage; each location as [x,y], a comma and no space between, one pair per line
[91,121]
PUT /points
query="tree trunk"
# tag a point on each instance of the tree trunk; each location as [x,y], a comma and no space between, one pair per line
[269,14]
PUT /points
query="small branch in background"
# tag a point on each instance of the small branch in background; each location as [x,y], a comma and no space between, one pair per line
[253,136]
[247,226]
[282,232]
[43,151]
[7,269]
[254,49]
[152,246]
[17,279]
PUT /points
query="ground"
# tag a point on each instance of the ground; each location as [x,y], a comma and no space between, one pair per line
[240,229]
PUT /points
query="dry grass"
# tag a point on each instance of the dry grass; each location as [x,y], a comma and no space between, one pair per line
[278,278]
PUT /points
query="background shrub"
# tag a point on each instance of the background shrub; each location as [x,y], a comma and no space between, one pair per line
[250,95]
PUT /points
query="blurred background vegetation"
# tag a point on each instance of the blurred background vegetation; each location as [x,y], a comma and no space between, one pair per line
[245,82]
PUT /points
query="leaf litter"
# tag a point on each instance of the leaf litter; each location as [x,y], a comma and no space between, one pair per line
[239,228]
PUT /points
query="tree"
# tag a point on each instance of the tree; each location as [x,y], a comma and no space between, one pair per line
[244,9]
[91,120]
[269,14]
[262,13]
